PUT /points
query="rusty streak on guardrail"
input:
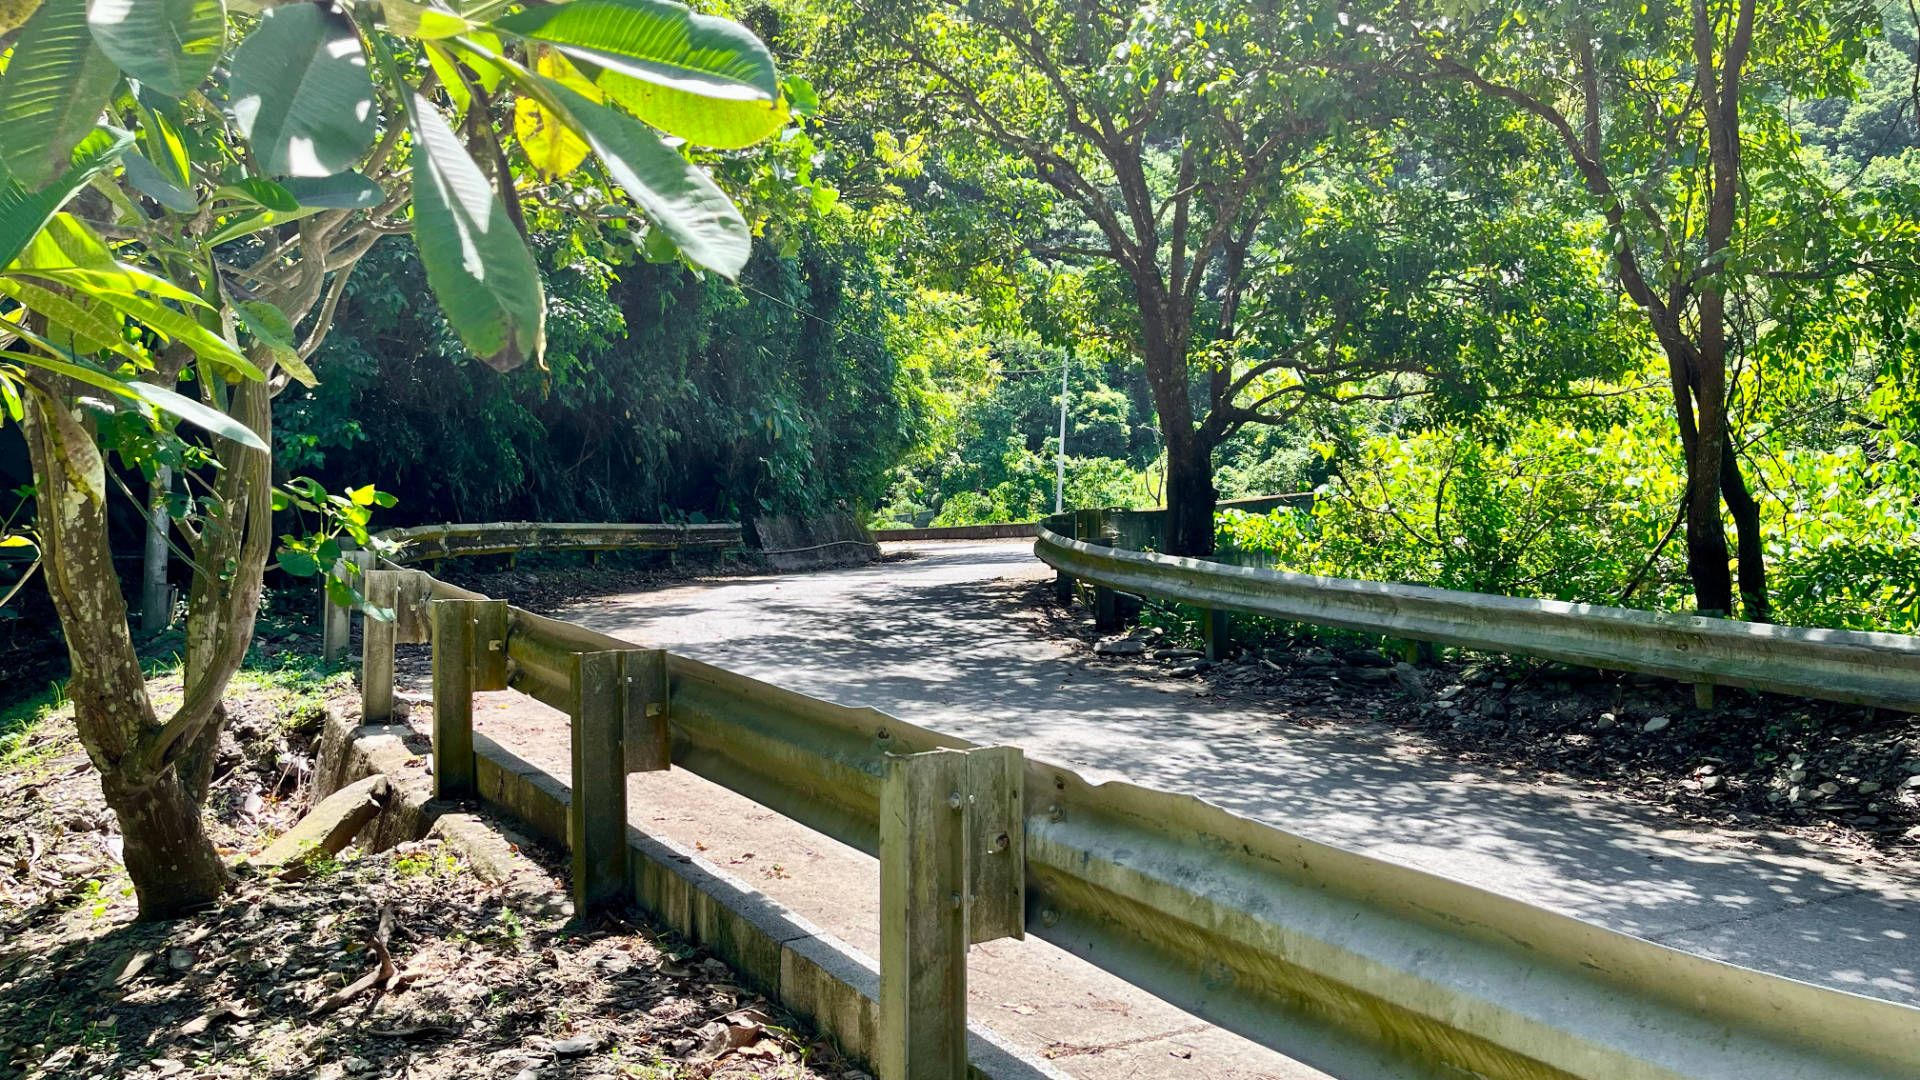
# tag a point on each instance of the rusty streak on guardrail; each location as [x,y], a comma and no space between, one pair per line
[1839,665]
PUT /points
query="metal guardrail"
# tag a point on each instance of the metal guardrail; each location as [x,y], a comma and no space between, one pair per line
[1257,504]
[1353,964]
[431,543]
[1838,665]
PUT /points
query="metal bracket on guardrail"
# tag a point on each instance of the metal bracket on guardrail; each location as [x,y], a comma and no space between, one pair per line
[952,873]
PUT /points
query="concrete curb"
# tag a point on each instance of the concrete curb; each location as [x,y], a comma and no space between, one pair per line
[819,978]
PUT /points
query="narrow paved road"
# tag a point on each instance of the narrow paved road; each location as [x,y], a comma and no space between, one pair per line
[929,639]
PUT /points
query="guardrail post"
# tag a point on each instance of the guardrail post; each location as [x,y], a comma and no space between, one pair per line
[376,647]
[644,730]
[1106,608]
[336,621]
[453,768]
[597,812]
[996,844]
[1216,627]
[923,925]
[1063,588]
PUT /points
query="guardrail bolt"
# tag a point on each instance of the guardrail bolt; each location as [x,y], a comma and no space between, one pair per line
[1002,842]
[1048,916]
[1054,813]
[954,800]
[956,901]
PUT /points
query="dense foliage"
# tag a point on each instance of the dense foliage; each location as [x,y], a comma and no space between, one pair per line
[664,395]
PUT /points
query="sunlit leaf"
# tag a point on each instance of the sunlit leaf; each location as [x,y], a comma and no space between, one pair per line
[477,262]
[169,45]
[705,79]
[54,90]
[300,91]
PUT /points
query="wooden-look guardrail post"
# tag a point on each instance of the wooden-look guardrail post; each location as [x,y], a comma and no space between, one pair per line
[382,588]
[952,872]
[923,919]
[619,719]
[1216,628]
[469,654]
[336,621]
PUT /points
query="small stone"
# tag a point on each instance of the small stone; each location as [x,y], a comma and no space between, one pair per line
[1410,679]
[1829,788]
[1868,787]
[574,1047]
[1452,691]
[1607,720]
[356,1065]
[1712,783]
[1175,654]
[180,959]
[1658,723]
[1914,781]
[1119,646]
[1367,658]
[1794,776]
[1796,793]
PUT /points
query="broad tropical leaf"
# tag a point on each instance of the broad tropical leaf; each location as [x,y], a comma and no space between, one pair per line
[476,261]
[149,181]
[169,45]
[705,79]
[679,198]
[272,329]
[160,398]
[66,253]
[91,325]
[301,93]
[342,191]
[549,142]
[53,92]
[24,213]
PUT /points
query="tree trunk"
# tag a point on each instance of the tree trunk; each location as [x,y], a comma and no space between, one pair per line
[1707,556]
[167,852]
[1191,498]
[1755,606]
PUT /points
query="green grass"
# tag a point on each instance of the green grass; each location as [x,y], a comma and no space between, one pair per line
[294,685]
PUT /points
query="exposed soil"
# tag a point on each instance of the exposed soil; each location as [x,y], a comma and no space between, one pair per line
[1840,774]
[475,983]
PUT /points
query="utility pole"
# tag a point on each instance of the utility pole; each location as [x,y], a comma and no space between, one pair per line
[1060,458]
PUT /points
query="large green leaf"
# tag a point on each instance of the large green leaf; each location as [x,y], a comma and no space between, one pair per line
[679,199]
[169,45]
[24,213]
[157,397]
[66,253]
[341,191]
[301,94]
[476,261]
[150,182]
[54,90]
[705,79]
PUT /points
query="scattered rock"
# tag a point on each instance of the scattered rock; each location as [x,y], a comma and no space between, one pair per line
[1829,788]
[1366,658]
[1868,787]
[1164,655]
[1658,723]
[1607,720]
[577,1045]
[1119,646]
[1410,679]
[327,828]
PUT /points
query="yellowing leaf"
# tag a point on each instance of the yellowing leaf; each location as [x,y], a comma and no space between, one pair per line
[552,146]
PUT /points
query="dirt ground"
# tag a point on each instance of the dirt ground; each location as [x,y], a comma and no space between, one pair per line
[285,979]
